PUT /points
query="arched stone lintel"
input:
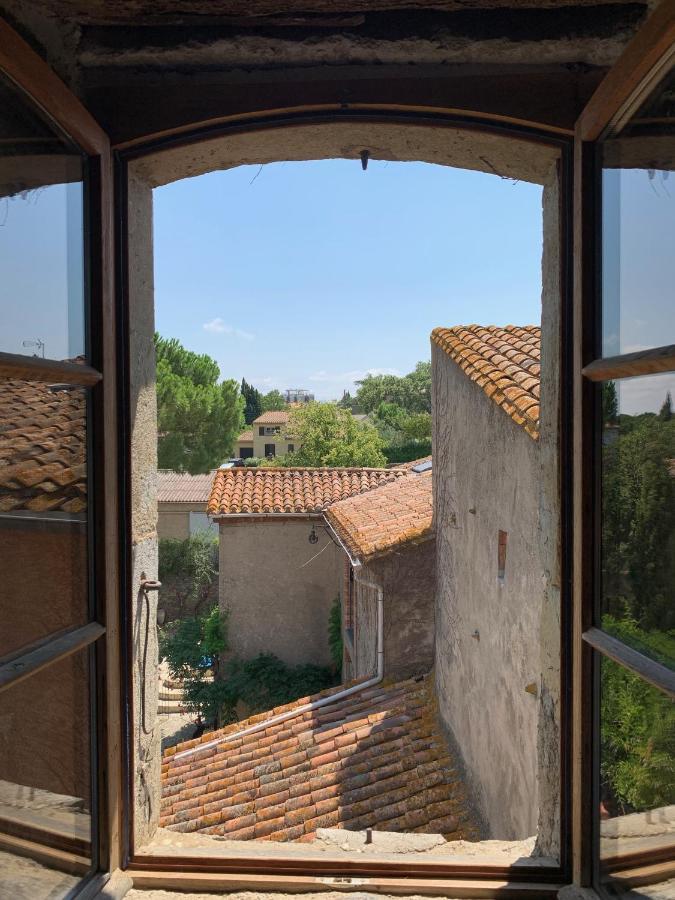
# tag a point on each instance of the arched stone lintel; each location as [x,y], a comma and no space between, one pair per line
[448,145]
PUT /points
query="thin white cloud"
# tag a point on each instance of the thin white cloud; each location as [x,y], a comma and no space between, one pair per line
[220,326]
[354,375]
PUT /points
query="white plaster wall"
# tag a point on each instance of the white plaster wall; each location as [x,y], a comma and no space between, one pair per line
[277,595]
[486,478]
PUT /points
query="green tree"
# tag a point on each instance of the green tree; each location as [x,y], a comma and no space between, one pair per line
[638,568]
[194,654]
[610,403]
[412,392]
[666,411]
[331,436]
[198,419]
[252,401]
[346,401]
[273,400]
[188,570]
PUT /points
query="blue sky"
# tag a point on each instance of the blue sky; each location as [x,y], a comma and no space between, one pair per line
[312,274]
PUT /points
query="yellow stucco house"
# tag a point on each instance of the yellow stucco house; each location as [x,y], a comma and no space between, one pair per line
[267,436]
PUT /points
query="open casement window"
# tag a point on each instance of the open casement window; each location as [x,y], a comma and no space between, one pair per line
[625,447]
[55,410]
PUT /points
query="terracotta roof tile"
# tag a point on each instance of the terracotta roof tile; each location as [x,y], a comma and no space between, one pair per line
[272,417]
[42,447]
[504,362]
[245,436]
[395,774]
[179,487]
[279,490]
[392,516]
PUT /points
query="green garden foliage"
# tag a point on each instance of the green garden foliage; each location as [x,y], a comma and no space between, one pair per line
[328,435]
[188,570]
[407,452]
[265,681]
[193,650]
[638,584]
[638,540]
[637,728]
[198,418]
[335,634]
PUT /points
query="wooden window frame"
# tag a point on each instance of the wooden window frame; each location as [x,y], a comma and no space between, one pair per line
[639,69]
[40,85]
[441,877]
[30,73]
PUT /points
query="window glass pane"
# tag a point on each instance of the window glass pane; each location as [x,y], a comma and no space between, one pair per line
[637,601]
[41,235]
[45,780]
[43,511]
[638,231]
[637,774]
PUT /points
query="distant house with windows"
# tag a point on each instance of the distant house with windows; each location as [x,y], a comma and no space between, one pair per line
[268,436]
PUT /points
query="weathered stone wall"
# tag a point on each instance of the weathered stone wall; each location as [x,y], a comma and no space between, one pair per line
[408,582]
[278,597]
[143,400]
[548,832]
[486,472]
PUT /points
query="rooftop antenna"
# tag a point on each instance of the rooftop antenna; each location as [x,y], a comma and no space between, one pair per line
[365,156]
[39,344]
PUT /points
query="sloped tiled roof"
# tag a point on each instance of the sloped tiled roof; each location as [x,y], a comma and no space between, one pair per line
[273,417]
[245,436]
[504,362]
[42,447]
[394,515]
[277,490]
[179,487]
[376,759]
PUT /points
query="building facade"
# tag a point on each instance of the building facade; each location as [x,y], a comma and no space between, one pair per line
[280,572]
[267,437]
[390,555]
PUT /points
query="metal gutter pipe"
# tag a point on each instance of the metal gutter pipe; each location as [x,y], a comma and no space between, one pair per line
[316,704]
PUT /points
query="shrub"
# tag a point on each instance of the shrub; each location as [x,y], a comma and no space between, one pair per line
[265,681]
[402,453]
[193,651]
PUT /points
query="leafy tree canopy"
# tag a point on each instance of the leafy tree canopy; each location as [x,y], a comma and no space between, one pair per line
[253,401]
[412,392]
[198,420]
[273,400]
[331,436]
[193,652]
[188,569]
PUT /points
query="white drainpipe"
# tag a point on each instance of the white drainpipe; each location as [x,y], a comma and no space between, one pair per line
[317,704]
